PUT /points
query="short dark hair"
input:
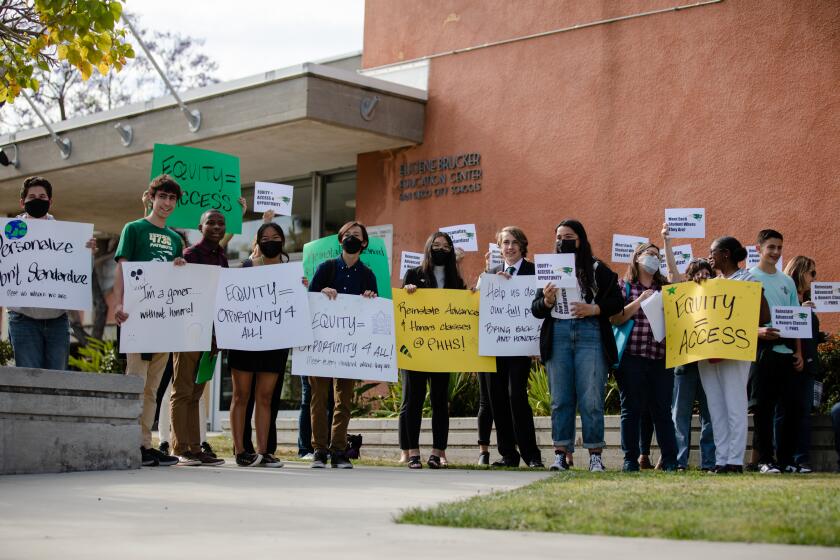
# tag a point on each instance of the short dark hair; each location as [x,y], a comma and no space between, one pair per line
[696,265]
[766,234]
[349,225]
[164,183]
[517,234]
[35,181]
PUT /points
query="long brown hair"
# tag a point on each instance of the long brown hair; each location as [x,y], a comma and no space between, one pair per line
[797,268]
[632,274]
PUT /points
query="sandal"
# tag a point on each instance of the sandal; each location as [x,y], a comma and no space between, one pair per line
[434,462]
[414,462]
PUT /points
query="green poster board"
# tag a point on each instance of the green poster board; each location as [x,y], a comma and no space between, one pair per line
[374,256]
[208,180]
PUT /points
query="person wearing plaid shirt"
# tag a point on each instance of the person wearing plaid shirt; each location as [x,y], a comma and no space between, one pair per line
[644,383]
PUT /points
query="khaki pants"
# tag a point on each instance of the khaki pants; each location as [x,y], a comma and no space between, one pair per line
[186,399]
[151,372]
[343,389]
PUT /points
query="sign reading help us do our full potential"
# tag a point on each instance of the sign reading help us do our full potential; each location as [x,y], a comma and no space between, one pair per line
[556,268]
[170,308]
[262,308]
[792,321]
[437,330]
[506,326]
[714,319]
[686,223]
[45,263]
[354,339]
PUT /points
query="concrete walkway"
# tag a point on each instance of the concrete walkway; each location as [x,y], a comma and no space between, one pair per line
[294,512]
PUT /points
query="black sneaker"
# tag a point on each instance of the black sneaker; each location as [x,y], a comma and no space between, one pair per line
[484,459]
[319,460]
[146,458]
[206,449]
[339,461]
[769,468]
[164,447]
[163,460]
[246,459]
[188,460]
[535,464]
[270,461]
[630,466]
[209,460]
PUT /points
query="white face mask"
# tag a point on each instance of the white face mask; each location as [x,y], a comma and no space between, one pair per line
[649,263]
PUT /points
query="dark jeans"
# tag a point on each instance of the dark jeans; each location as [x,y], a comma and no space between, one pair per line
[835,422]
[775,386]
[645,385]
[411,411]
[305,420]
[804,387]
[646,433]
[512,413]
[484,418]
[271,445]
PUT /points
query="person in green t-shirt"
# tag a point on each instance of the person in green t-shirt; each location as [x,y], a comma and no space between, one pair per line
[148,239]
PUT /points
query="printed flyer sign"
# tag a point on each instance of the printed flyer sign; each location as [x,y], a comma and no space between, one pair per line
[686,223]
[463,237]
[753,258]
[374,256]
[354,339]
[506,326]
[555,268]
[563,306]
[170,308]
[495,255]
[826,296]
[792,321]
[624,245]
[273,196]
[437,330]
[409,260]
[45,263]
[682,255]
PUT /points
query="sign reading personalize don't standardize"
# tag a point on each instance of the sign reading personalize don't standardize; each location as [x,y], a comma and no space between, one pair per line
[170,308]
[714,319]
[354,339]
[506,326]
[45,263]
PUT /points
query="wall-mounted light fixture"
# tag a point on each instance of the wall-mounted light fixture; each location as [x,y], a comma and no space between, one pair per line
[5,160]
[126,133]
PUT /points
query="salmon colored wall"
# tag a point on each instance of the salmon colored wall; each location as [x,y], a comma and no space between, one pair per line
[734,107]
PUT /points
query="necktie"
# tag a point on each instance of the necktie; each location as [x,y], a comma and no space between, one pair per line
[511,270]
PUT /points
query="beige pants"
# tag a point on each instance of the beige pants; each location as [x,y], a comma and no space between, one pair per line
[151,372]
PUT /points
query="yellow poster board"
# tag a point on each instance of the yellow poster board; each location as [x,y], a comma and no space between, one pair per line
[715,319]
[437,330]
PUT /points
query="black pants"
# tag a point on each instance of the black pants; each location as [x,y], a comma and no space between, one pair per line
[271,445]
[775,386]
[512,414]
[411,410]
[484,418]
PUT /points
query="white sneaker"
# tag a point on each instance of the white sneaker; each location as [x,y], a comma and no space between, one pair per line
[308,457]
[596,464]
[560,463]
[769,468]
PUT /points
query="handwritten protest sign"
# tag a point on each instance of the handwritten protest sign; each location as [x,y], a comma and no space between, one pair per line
[463,236]
[682,255]
[354,339]
[170,308]
[437,330]
[715,319]
[563,306]
[409,260]
[386,234]
[623,247]
[792,321]
[374,256]
[559,269]
[655,313]
[262,308]
[826,296]
[506,326]
[753,258]
[44,263]
[273,196]
[686,223]
[208,180]
[495,255]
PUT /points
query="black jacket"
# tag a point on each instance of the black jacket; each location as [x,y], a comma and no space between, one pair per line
[609,299]
[526,269]
[420,279]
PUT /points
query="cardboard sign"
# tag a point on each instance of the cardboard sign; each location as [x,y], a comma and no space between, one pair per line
[623,247]
[273,196]
[715,319]
[753,258]
[495,255]
[463,236]
[262,308]
[506,326]
[792,321]
[563,306]
[653,310]
[170,308]
[374,256]
[682,255]
[44,263]
[686,223]
[354,339]
[386,234]
[826,296]
[556,268]
[409,260]
[208,180]
[437,330]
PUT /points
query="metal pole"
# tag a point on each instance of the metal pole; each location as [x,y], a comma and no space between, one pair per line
[64,144]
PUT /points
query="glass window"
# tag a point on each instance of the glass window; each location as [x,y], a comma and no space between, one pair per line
[339,201]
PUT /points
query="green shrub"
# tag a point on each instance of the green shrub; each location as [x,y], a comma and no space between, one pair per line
[463,398]
[829,352]
[539,395]
[7,354]
[97,356]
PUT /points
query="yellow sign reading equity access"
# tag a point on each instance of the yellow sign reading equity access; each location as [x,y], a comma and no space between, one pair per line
[715,319]
[437,330]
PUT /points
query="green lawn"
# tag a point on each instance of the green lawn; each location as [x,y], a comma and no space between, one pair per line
[785,509]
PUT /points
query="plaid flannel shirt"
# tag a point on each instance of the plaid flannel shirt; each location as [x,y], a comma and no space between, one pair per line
[641,342]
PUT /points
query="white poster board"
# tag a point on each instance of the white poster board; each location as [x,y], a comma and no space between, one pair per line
[385,233]
[273,196]
[655,313]
[557,268]
[826,296]
[686,223]
[354,339]
[565,298]
[682,254]
[170,308]
[624,245]
[409,260]
[44,263]
[463,236]
[495,255]
[262,308]
[506,326]
[753,258]
[792,321]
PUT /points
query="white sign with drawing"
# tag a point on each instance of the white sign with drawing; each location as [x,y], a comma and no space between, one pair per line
[686,223]
[463,237]
[792,321]
[273,196]
[826,296]
[557,268]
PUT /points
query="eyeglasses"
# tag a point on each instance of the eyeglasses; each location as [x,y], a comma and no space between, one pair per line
[813,273]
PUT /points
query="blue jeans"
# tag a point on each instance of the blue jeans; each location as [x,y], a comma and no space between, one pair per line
[645,385]
[577,378]
[40,343]
[687,388]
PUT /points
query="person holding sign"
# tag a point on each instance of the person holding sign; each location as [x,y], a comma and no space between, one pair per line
[149,239]
[438,270]
[577,352]
[346,274]
[643,381]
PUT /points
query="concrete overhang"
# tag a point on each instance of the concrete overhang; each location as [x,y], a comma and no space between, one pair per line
[281,124]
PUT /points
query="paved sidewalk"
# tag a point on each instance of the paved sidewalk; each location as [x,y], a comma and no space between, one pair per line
[294,512]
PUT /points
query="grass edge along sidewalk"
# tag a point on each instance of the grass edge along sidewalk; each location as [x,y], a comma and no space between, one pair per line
[781,509]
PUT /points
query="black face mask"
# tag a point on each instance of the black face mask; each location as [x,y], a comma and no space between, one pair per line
[566,246]
[439,257]
[37,207]
[352,244]
[271,249]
